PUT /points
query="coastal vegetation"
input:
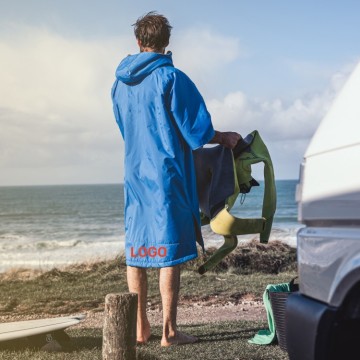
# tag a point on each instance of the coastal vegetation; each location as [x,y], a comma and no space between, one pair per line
[82,288]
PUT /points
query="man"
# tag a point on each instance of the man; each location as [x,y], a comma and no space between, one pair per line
[162,118]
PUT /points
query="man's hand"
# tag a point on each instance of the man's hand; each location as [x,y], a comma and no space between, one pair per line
[228,139]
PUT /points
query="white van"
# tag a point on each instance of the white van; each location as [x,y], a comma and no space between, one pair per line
[323,317]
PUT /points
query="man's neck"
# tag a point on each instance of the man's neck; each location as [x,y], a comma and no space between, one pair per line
[147,49]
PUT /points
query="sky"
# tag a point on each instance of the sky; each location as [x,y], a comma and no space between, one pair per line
[274,66]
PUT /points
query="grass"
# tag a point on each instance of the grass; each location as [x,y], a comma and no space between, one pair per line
[83,287]
[223,340]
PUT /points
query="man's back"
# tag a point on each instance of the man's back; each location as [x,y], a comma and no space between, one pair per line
[162,117]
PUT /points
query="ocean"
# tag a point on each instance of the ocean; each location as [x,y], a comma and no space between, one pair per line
[51,226]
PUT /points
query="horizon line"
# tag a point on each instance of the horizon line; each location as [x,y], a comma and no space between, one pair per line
[112,183]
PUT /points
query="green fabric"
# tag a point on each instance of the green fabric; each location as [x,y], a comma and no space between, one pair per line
[267,336]
[229,245]
[257,152]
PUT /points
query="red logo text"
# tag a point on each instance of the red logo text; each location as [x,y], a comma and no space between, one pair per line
[152,251]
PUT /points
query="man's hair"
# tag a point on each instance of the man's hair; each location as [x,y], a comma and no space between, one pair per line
[153,30]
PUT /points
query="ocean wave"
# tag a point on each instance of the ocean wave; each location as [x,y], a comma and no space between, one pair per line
[46,258]
[12,242]
[45,255]
[285,234]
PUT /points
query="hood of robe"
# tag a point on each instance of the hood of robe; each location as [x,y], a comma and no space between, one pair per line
[135,68]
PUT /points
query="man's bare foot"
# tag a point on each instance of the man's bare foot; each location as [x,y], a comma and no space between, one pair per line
[178,339]
[143,333]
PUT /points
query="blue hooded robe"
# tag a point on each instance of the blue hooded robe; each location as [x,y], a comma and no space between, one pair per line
[162,118]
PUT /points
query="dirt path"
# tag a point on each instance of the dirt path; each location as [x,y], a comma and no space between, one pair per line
[189,312]
[196,313]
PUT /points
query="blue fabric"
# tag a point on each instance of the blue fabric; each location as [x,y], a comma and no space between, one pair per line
[162,118]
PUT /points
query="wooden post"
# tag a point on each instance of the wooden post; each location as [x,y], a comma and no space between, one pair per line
[119,332]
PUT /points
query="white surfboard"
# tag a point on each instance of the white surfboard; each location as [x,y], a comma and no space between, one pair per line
[20,329]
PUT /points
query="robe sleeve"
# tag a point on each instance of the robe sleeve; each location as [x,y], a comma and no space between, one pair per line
[116,109]
[189,111]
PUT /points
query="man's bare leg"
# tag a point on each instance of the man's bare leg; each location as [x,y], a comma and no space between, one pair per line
[169,283]
[137,282]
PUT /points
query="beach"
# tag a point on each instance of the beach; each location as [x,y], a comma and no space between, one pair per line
[42,227]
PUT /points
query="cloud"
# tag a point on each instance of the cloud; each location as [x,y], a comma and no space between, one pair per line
[55,99]
[56,113]
[277,119]
[55,107]
[286,127]
[208,50]
[204,54]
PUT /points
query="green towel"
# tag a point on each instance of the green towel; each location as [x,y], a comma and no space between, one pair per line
[267,336]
